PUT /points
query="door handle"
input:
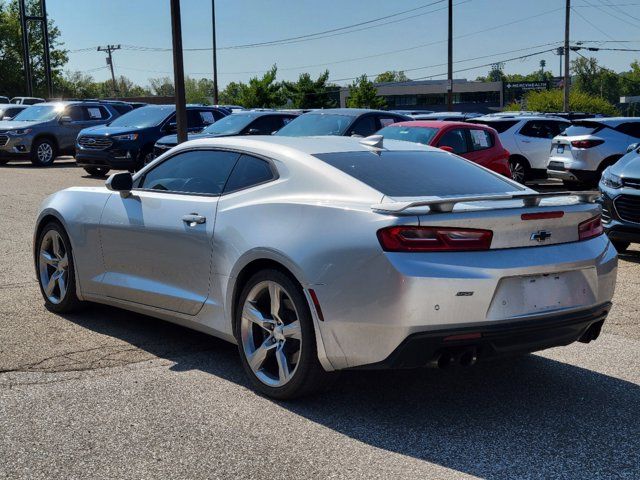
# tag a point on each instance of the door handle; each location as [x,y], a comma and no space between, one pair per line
[525,141]
[194,219]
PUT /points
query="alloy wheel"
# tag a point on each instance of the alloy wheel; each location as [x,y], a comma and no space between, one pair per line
[45,153]
[271,334]
[53,265]
[517,171]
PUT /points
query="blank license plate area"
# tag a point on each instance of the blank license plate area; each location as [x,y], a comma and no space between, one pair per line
[560,149]
[531,294]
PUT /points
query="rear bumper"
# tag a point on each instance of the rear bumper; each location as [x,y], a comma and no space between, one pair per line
[573,175]
[499,339]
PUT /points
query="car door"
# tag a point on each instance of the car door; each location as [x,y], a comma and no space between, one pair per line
[480,144]
[68,129]
[455,140]
[157,242]
[534,141]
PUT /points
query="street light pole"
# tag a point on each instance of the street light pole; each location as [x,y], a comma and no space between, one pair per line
[178,71]
[566,81]
[215,53]
[450,62]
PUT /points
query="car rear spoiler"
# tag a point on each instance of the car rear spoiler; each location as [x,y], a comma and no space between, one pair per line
[446,204]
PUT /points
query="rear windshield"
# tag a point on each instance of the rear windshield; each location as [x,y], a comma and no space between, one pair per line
[582,128]
[421,135]
[417,174]
[499,126]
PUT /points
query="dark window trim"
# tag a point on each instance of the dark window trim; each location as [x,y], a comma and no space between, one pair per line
[270,162]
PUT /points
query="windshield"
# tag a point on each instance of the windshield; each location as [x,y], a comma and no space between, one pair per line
[42,113]
[311,124]
[421,135]
[229,125]
[406,173]
[582,128]
[144,117]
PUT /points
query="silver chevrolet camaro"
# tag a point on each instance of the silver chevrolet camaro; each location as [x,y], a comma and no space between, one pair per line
[320,254]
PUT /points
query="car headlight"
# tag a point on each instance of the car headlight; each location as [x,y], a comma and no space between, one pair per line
[128,136]
[611,180]
[20,131]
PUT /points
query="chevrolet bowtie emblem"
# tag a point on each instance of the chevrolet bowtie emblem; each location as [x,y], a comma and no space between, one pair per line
[540,236]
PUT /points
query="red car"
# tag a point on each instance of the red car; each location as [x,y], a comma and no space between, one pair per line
[475,142]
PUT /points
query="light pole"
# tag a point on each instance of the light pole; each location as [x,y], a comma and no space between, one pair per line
[178,71]
[215,53]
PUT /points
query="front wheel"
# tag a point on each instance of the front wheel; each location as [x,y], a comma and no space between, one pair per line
[55,269]
[276,338]
[43,152]
[97,171]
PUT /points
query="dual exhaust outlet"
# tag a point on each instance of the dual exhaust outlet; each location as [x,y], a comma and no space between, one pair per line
[464,357]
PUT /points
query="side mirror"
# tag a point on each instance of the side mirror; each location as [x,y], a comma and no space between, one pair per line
[172,127]
[632,147]
[120,182]
[446,148]
[65,119]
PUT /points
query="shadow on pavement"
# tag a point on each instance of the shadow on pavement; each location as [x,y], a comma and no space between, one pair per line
[531,417]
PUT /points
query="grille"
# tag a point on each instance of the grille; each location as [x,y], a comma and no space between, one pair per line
[4,139]
[94,143]
[628,208]
[556,166]
[631,182]
[606,215]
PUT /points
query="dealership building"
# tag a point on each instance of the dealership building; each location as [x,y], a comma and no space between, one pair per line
[468,96]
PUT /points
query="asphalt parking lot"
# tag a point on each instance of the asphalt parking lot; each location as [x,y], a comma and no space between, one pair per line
[110,394]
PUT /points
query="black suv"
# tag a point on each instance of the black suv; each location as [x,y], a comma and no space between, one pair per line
[127,143]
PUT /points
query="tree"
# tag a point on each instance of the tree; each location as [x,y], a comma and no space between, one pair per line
[363,94]
[162,86]
[309,93]
[595,80]
[391,76]
[12,80]
[198,91]
[552,100]
[231,94]
[262,92]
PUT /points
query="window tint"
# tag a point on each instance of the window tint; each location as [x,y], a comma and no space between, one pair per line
[194,119]
[316,124]
[385,121]
[631,128]
[409,134]
[75,113]
[207,117]
[265,125]
[480,139]
[455,139]
[196,171]
[501,126]
[557,127]
[248,171]
[364,126]
[417,173]
[95,113]
[583,128]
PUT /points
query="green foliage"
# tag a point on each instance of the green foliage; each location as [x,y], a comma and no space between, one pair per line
[552,101]
[162,86]
[263,92]
[11,68]
[309,93]
[497,75]
[391,76]
[363,94]
[231,94]
[595,80]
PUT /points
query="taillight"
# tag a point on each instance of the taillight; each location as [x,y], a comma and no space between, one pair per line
[586,143]
[433,239]
[542,215]
[590,228]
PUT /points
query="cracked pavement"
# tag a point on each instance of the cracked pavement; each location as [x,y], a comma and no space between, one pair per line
[105,393]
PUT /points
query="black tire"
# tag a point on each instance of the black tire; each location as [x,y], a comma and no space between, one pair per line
[309,376]
[572,184]
[69,302]
[519,168]
[620,246]
[97,171]
[47,145]
[4,161]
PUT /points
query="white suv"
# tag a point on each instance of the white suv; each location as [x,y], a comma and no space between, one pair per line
[528,139]
[582,152]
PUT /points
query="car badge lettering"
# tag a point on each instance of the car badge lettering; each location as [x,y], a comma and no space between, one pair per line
[540,236]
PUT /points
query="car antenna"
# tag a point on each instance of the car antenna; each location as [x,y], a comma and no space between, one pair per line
[374,141]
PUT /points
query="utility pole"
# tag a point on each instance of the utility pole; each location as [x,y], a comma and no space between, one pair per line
[109,49]
[566,85]
[215,53]
[560,53]
[178,71]
[24,22]
[450,55]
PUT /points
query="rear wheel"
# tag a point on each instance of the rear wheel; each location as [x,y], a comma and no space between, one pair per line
[55,269]
[519,169]
[97,171]
[43,152]
[620,245]
[276,338]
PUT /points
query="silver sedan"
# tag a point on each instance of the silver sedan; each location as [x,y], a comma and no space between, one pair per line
[316,255]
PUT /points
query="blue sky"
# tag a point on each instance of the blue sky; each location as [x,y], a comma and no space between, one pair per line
[533,23]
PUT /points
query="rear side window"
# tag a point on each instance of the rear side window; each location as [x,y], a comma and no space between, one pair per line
[248,172]
[538,129]
[456,139]
[583,128]
[417,174]
[265,125]
[480,139]
[385,121]
[364,126]
[95,113]
[196,171]
[631,128]
[500,126]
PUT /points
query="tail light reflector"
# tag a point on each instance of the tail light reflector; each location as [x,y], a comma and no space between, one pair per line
[590,228]
[542,215]
[433,239]
[586,143]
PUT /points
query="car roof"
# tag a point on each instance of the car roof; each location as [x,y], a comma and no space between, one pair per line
[435,124]
[519,118]
[609,121]
[309,145]
[353,112]
[263,113]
